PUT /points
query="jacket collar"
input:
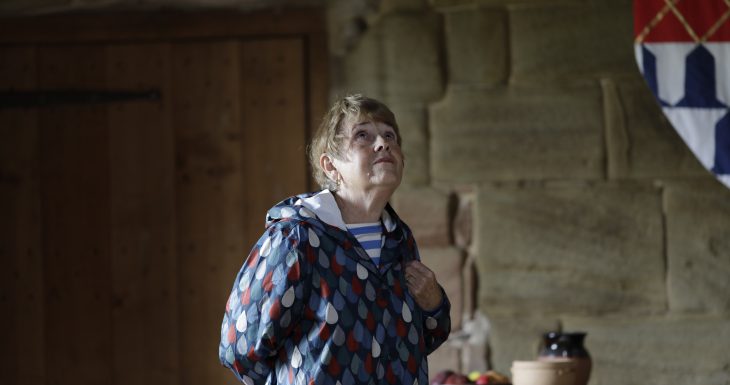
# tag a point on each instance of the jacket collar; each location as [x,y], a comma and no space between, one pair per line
[324,206]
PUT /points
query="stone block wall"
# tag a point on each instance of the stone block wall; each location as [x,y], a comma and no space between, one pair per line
[546,189]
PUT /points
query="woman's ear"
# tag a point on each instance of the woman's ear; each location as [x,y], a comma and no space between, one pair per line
[328,166]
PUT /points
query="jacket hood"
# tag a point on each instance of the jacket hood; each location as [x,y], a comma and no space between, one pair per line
[321,207]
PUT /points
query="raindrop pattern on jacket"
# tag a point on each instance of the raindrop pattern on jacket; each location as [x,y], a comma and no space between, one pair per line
[310,307]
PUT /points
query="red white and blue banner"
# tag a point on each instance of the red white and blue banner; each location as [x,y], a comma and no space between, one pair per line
[683,50]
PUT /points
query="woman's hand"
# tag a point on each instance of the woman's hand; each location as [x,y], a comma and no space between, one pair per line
[422,284]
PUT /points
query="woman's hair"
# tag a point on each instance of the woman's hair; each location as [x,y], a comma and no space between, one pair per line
[328,138]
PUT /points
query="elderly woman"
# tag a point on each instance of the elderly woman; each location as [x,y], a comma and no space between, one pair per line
[334,291]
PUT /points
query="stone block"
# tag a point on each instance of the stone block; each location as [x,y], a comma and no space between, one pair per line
[412,56]
[441,4]
[486,134]
[516,338]
[413,127]
[447,264]
[622,3]
[446,357]
[361,68]
[576,248]
[416,169]
[447,5]
[387,6]
[346,21]
[426,211]
[698,246]
[563,43]
[477,46]
[640,141]
[656,350]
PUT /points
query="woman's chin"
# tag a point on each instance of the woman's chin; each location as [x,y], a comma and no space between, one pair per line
[388,181]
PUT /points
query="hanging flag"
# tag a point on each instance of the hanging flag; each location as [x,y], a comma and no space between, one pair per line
[683,50]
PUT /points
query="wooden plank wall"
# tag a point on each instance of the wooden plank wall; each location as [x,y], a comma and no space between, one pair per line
[143,246]
[274,74]
[75,196]
[210,196]
[21,275]
[123,224]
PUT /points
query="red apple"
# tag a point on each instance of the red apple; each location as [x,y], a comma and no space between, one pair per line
[456,379]
[440,377]
[483,379]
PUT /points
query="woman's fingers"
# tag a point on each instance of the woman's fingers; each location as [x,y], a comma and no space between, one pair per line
[416,269]
[422,284]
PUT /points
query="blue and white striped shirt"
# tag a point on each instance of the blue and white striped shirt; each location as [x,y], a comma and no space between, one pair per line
[370,237]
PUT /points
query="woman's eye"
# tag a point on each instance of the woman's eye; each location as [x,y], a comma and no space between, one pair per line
[361,135]
[389,135]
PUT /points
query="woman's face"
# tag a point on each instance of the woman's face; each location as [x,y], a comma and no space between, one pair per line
[371,156]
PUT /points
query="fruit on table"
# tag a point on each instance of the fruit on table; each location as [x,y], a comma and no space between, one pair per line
[449,377]
[440,377]
[483,379]
[457,379]
[491,377]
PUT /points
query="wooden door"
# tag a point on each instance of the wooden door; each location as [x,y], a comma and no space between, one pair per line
[125,221]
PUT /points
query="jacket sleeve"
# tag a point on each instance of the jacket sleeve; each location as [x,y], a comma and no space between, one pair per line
[437,322]
[265,304]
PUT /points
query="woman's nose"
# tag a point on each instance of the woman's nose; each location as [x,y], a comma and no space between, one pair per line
[381,143]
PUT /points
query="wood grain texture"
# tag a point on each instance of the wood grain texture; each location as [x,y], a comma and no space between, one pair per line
[21,277]
[74,145]
[209,198]
[274,125]
[143,258]
[155,26]
[124,223]
[317,93]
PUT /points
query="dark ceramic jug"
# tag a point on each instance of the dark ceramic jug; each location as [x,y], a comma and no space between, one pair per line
[558,345]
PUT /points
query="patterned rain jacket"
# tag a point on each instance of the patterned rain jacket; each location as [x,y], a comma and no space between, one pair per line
[310,307]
